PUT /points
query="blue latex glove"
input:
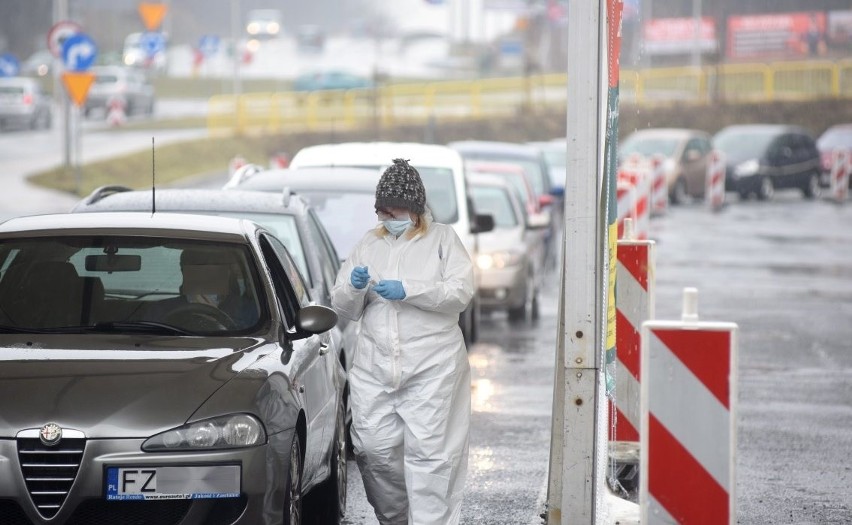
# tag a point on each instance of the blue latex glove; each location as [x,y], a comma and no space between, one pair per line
[390,290]
[359,277]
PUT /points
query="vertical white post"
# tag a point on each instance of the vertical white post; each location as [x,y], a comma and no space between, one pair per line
[578,436]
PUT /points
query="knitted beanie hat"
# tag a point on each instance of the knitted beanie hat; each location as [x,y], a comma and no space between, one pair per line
[400,187]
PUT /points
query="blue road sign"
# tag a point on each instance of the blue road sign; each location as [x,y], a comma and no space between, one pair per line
[9,65]
[79,52]
[152,43]
[208,45]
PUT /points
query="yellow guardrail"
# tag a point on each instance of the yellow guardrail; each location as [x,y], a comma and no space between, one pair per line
[415,103]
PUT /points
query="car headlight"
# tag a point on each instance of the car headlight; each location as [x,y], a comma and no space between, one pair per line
[749,167]
[487,261]
[233,431]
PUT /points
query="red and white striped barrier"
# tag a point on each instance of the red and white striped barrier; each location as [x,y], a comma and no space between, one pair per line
[840,166]
[714,189]
[659,186]
[116,115]
[636,203]
[235,164]
[688,434]
[634,304]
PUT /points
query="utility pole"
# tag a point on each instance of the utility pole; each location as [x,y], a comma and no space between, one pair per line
[578,450]
[60,13]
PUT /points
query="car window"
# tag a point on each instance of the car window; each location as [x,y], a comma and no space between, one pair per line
[291,295]
[496,202]
[328,259]
[294,276]
[648,146]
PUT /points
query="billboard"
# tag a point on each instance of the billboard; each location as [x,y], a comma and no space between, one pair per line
[676,36]
[798,34]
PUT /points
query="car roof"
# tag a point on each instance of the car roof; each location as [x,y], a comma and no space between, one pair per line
[325,178]
[484,179]
[376,154]
[765,128]
[129,223]
[193,200]
[492,146]
[493,166]
[668,132]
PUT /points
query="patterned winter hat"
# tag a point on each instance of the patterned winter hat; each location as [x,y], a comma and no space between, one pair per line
[400,187]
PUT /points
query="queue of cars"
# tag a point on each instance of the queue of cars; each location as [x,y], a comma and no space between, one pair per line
[759,158]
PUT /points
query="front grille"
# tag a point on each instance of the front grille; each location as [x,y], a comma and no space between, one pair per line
[49,472]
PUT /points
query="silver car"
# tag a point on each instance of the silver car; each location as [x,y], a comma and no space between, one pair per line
[164,368]
[511,256]
[24,104]
[127,85]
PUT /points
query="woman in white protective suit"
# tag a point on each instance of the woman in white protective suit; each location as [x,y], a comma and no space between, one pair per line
[407,281]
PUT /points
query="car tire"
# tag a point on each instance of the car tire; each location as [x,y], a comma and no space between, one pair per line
[679,194]
[528,310]
[327,503]
[293,490]
[765,189]
[812,187]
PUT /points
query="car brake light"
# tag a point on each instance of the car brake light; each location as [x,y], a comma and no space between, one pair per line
[28,99]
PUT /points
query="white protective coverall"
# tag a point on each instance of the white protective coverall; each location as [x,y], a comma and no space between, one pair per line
[410,377]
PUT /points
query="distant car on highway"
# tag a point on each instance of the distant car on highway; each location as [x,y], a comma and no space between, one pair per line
[761,158]
[836,137]
[23,103]
[263,24]
[685,152]
[330,79]
[127,84]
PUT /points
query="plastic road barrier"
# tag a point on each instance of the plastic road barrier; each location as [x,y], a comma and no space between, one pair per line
[840,166]
[116,115]
[635,204]
[279,160]
[688,434]
[659,186]
[634,304]
[715,181]
[235,164]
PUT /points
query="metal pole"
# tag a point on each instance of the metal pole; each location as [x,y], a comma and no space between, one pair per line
[696,33]
[578,436]
[60,13]
[236,22]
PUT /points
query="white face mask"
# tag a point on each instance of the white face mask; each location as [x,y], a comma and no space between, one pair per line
[396,227]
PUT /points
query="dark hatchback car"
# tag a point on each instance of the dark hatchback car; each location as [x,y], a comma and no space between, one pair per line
[761,158]
[165,369]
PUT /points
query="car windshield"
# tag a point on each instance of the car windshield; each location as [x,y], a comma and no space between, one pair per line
[496,202]
[648,146]
[113,284]
[517,180]
[347,216]
[440,191]
[740,144]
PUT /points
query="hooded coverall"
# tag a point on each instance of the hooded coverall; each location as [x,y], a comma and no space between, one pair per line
[410,377]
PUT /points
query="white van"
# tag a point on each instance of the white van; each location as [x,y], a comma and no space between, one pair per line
[442,171]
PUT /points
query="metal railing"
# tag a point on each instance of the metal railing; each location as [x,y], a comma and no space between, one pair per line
[417,103]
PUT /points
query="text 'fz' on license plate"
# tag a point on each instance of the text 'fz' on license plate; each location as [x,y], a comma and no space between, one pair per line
[157,483]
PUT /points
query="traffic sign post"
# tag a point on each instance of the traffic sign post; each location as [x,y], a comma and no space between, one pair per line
[78,54]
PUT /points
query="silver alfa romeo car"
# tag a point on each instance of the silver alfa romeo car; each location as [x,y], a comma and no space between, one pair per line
[164,369]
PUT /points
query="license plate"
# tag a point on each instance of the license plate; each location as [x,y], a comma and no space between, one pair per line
[158,483]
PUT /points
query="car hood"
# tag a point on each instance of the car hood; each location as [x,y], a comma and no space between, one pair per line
[112,387]
[501,239]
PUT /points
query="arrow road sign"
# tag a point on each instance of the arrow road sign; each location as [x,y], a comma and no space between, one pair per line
[152,43]
[79,52]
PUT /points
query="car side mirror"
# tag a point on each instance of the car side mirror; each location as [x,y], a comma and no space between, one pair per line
[482,223]
[314,319]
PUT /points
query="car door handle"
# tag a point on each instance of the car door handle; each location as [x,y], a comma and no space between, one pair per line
[324,348]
